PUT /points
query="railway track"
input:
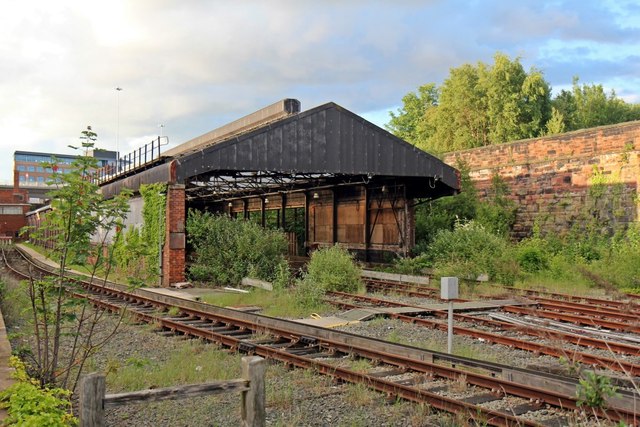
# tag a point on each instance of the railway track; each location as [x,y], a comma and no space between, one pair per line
[624,310]
[615,364]
[494,394]
[573,338]
[631,305]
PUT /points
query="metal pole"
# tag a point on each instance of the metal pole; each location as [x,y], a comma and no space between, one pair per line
[160,238]
[449,292]
[450,329]
[118,90]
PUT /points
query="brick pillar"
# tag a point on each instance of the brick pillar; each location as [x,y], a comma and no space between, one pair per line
[174,253]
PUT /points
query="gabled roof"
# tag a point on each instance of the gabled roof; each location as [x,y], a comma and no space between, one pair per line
[327,145]
[324,140]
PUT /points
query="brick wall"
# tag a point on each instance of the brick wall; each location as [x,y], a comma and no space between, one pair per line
[10,224]
[550,177]
[173,253]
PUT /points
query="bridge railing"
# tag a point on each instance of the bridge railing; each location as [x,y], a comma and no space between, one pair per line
[129,162]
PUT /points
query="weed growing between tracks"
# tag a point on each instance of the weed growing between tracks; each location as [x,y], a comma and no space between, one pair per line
[194,362]
[277,303]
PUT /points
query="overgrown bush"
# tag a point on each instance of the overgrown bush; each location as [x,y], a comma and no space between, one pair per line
[496,212]
[443,213]
[225,250]
[417,265]
[129,253]
[136,251]
[620,263]
[469,251]
[330,269]
[533,255]
[28,404]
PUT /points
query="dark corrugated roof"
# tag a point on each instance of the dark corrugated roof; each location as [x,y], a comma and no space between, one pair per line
[326,140]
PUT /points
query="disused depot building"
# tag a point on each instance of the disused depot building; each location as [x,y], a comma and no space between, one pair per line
[325,176]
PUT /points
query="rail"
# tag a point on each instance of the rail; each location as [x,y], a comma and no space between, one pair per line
[93,400]
[134,160]
[301,345]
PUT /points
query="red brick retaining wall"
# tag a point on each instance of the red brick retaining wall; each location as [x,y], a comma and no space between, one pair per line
[550,177]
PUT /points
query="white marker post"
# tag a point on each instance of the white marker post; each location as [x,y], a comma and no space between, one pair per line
[449,292]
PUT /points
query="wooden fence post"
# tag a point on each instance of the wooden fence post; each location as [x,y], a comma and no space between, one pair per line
[92,388]
[253,400]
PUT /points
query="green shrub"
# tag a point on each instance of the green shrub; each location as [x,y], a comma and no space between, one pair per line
[497,213]
[563,268]
[532,255]
[593,390]
[619,264]
[309,294]
[28,404]
[416,266]
[225,250]
[443,213]
[334,269]
[469,251]
[330,269]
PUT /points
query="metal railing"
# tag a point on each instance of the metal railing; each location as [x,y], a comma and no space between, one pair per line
[130,162]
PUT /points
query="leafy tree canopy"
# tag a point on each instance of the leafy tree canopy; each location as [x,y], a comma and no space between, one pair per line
[587,106]
[486,104]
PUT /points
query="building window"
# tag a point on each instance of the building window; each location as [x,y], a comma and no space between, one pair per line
[21,168]
[41,179]
[40,169]
[10,210]
[22,179]
[31,168]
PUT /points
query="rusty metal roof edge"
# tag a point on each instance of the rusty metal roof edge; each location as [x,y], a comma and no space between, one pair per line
[260,118]
[165,172]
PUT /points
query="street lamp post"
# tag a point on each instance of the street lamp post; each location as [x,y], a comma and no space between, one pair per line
[118,90]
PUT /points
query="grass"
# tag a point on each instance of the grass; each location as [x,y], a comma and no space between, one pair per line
[360,395]
[360,365]
[578,286]
[540,282]
[195,362]
[277,304]
[88,268]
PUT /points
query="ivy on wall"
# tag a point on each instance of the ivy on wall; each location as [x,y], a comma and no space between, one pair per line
[153,228]
[137,251]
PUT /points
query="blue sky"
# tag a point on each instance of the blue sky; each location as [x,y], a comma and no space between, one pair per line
[195,65]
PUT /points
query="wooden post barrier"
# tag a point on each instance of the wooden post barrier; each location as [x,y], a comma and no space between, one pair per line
[93,400]
[253,408]
[92,388]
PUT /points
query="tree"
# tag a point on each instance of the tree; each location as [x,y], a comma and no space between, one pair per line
[78,214]
[475,106]
[587,106]
[486,104]
[555,124]
[411,122]
[460,120]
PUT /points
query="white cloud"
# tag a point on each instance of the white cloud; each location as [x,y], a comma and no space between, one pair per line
[196,65]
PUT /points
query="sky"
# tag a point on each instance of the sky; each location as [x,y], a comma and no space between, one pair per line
[186,67]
